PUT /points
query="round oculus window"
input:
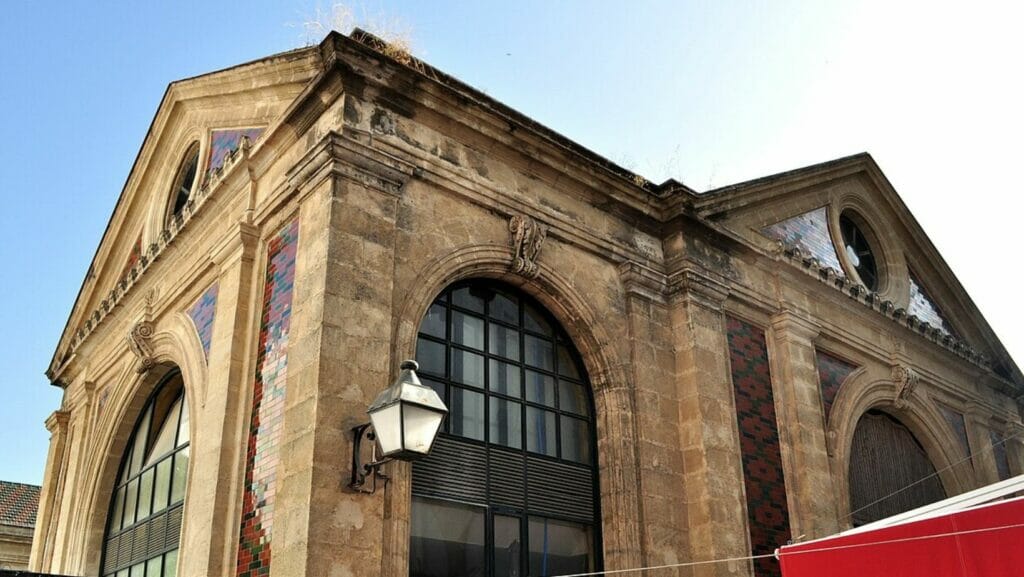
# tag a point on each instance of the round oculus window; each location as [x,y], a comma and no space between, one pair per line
[859,252]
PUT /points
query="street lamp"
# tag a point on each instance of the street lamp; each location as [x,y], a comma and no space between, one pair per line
[404,421]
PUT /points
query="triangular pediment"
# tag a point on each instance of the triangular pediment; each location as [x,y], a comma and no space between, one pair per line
[845,216]
[198,128]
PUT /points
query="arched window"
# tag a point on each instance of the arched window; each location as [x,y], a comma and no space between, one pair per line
[890,473]
[184,181]
[144,526]
[510,487]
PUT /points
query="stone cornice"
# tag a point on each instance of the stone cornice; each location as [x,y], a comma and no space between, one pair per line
[57,422]
[858,293]
[643,281]
[788,326]
[149,255]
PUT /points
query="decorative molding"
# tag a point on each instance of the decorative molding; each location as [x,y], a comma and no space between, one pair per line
[139,343]
[526,237]
[905,379]
[857,292]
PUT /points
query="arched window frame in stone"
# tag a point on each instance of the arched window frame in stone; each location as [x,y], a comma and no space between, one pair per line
[156,509]
[867,391]
[616,437]
[191,160]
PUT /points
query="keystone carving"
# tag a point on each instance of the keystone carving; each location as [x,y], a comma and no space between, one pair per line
[139,343]
[906,380]
[526,236]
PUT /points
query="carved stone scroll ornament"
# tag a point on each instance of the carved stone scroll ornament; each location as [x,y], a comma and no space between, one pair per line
[138,342]
[906,380]
[526,236]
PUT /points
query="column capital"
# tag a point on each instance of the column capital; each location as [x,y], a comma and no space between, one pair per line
[240,242]
[643,281]
[57,421]
[787,325]
[700,286]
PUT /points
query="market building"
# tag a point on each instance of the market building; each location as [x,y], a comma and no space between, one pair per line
[637,374]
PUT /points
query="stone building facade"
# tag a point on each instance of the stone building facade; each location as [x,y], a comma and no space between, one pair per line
[638,374]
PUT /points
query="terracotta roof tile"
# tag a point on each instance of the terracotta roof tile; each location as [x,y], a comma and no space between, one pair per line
[18,504]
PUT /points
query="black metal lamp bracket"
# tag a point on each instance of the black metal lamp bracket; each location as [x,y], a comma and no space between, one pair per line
[360,470]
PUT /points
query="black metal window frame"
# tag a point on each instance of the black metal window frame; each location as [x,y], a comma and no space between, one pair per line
[114,528]
[445,384]
[180,193]
[867,266]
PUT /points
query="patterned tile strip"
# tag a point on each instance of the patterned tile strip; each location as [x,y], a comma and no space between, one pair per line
[224,142]
[767,511]
[956,421]
[924,308]
[999,452]
[256,535]
[832,371]
[202,313]
[809,233]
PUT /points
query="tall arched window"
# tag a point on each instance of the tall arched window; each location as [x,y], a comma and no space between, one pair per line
[890,473]
[144,525]
[184,182]
[510,487]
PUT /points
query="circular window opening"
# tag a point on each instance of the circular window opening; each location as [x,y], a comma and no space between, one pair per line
[859,252]
[185,180]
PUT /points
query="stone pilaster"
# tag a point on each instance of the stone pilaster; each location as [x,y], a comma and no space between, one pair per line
[210,537]
[716,513]
[642,451]
[812,510]
[339,359]
[49,497]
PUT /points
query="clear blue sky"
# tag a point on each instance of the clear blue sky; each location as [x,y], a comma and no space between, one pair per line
[709,93]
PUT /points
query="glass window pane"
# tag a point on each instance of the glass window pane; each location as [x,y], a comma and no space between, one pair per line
[446,539]
[466,418]
[534,320]
[162,485]
[139,444]
[437,386]
[539,353]
[430,356]
[540,432]
[164,439]
[540,388]
[506,423]
[506,546]
[559,547]
[572,397]
[131,498]
[566,363]
[505,307]
[575,440]
[434,322]
[171,563]
[137,570]
[468,298]
[503,342]
[118,511]
[122,573]
[180,475]
[504,378]
[145,494]
[467,330]
[467,368]
[154,567]
[183,434]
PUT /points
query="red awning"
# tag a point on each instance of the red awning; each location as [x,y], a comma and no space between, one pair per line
[983,541]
